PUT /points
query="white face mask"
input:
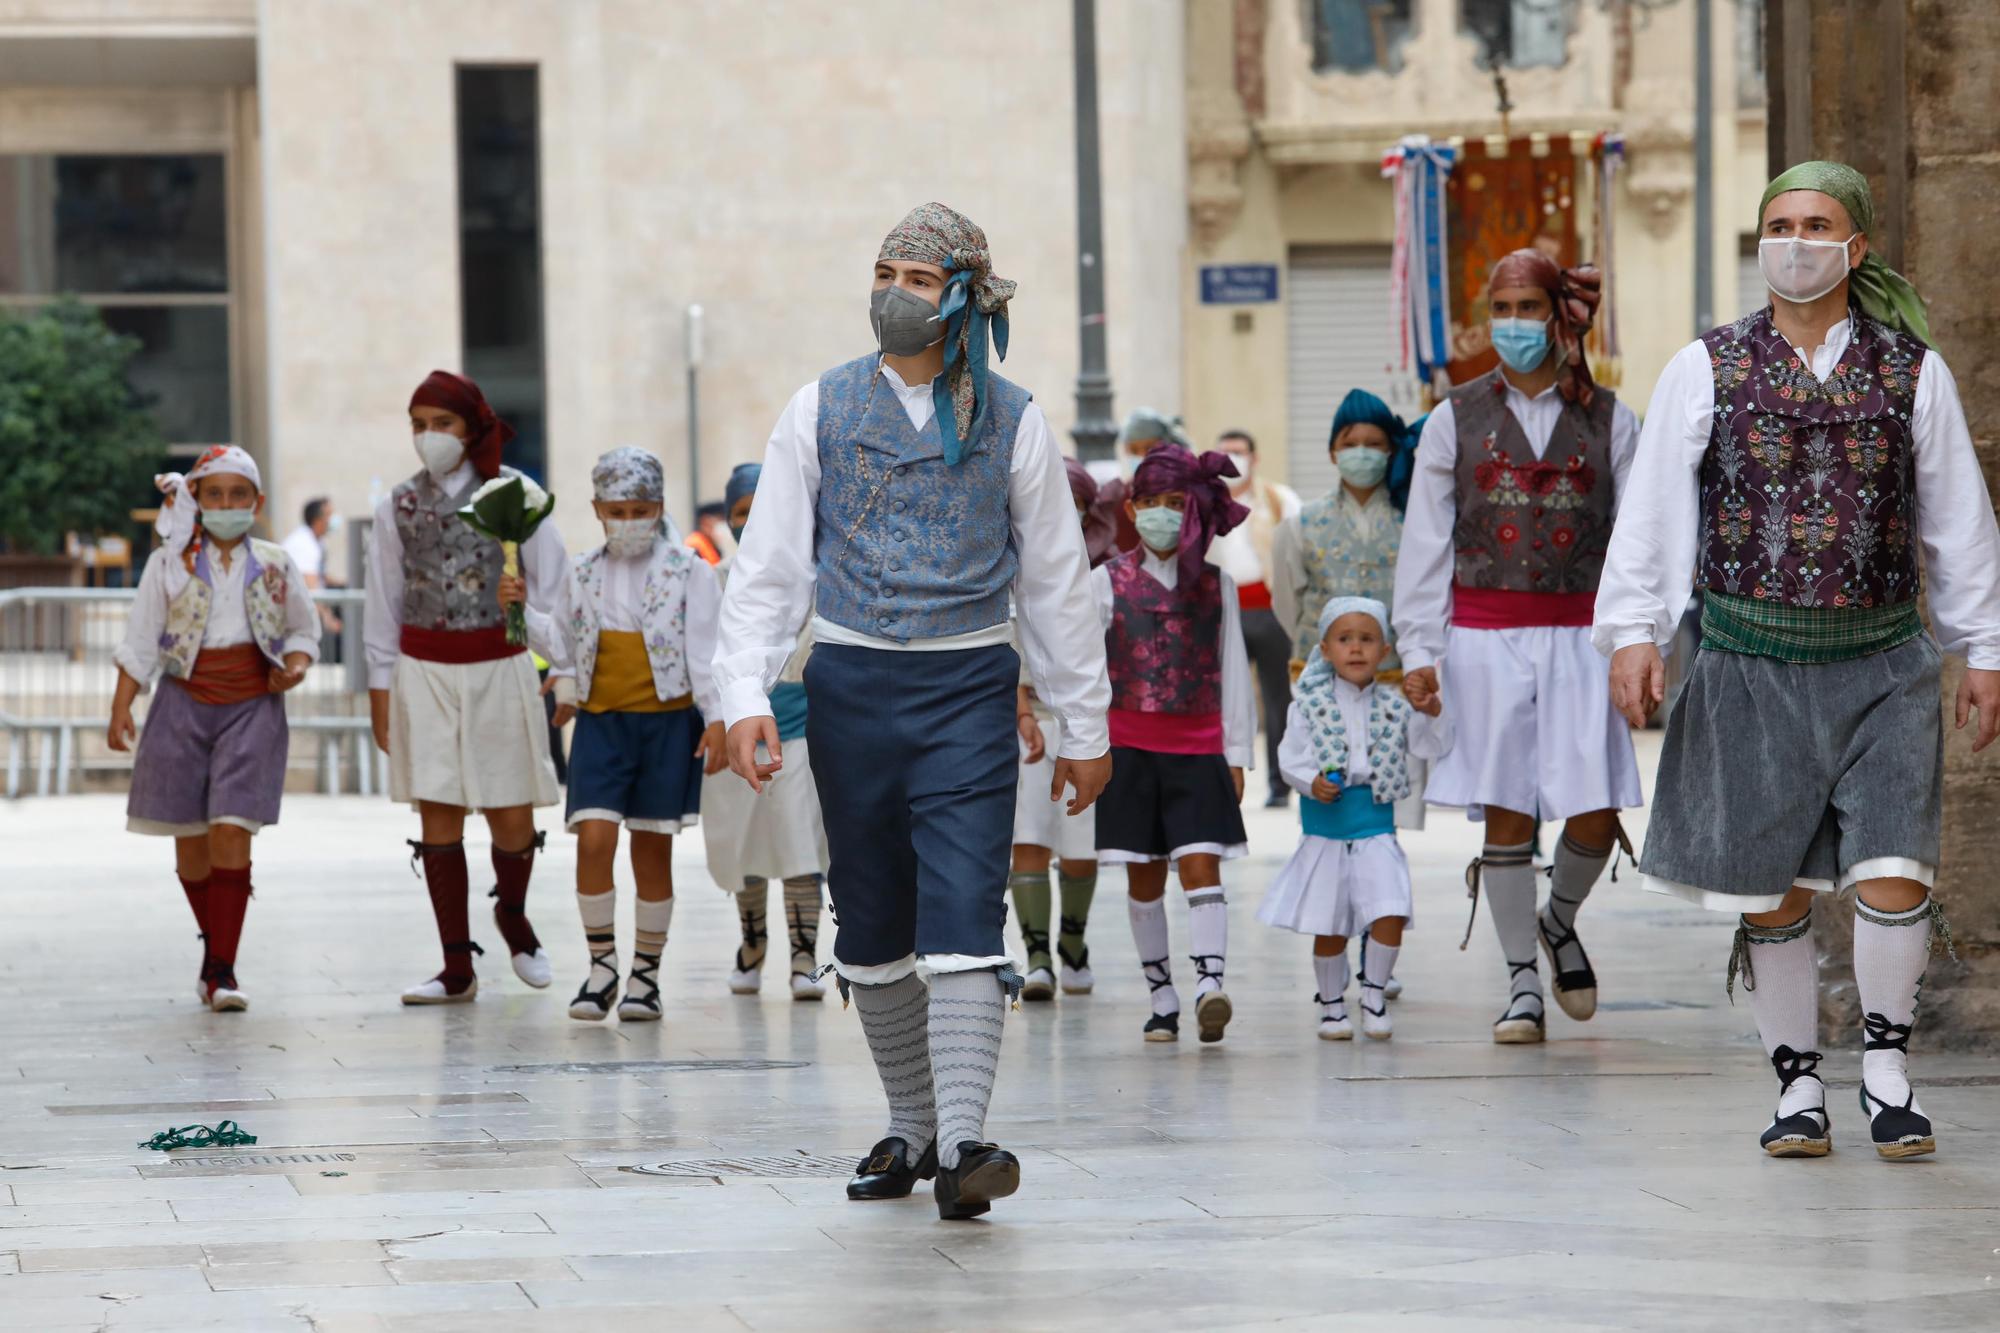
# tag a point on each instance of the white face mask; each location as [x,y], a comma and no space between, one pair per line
[440,453]
[1800,270]
[334,524]
[630,536]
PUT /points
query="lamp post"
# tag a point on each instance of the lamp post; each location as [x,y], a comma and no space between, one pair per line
[1095,429]
[694,353]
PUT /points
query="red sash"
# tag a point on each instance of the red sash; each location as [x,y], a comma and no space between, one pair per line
[458,646]
[228,675]
[1497,608]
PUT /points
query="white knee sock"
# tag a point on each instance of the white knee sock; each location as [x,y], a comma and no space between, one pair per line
[649,938]
[1508,875]
[1378,963]
[1331,974]
[968,1011]
[1208,937]
[1149,936]
[600,932]
[896,1020]
[1779,970]
[1891,950]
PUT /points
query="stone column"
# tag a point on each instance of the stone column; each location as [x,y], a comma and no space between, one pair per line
[1908,91]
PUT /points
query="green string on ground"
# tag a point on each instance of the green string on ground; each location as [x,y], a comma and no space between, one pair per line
[228,1134]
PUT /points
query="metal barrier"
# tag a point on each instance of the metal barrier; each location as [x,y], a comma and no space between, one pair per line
[57,678]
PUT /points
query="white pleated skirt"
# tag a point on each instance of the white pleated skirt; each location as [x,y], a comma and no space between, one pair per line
[1337,887]
[774,836]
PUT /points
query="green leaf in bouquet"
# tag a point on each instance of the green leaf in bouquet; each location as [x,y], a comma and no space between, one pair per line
[502,512]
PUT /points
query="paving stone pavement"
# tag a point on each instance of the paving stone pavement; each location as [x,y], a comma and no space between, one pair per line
[466,1169]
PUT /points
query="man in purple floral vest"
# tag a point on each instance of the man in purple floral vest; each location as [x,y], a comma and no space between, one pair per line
[1792,465]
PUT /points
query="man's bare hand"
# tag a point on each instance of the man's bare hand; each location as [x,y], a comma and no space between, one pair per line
[1639,682]
[743,739]
[1088,776]
[1420,687]
[1980,691]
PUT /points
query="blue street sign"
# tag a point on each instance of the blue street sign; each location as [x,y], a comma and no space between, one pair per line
[1238,284]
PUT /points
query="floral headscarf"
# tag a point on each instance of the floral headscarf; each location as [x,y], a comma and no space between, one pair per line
[179,518]
[974,304]
[1574,292]
[1210,511]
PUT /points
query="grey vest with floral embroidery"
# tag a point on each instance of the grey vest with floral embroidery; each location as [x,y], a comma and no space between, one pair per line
[1528,524]
[451,574]
[1808,493]
[908,547]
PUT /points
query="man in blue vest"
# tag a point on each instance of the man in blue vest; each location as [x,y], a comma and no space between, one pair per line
[906,495]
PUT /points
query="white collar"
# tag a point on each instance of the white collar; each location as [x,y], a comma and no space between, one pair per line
[1166,569]
[1513,391]
[1832,345]
[1347,692]
[904,390]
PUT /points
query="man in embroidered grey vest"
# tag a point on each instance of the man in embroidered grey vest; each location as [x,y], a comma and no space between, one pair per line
[1792,464]
[1517,477]
[904,496]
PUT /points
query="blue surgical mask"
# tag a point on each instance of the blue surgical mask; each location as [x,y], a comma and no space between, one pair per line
[226,525]
[1522,343]
[1361,466]
[1159,527]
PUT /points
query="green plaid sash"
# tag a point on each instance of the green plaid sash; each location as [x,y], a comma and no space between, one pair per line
[1804,633]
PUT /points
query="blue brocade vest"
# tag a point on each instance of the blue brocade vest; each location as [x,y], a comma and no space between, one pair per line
[906,546]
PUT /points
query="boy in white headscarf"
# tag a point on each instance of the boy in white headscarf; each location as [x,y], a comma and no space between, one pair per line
[226,621]
[636,617]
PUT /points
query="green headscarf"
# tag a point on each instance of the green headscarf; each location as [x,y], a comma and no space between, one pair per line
[1882,293]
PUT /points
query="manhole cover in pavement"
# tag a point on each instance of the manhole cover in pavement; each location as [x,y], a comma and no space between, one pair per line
[784,1165]
[1629,1006]
[655,1067]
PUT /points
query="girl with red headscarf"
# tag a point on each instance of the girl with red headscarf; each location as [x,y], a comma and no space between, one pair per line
[455,706]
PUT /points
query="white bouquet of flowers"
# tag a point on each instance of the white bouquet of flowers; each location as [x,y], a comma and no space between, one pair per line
[509,509]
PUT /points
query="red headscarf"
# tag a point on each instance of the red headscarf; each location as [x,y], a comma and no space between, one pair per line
[488,434]
[1100,524]
[1210,511]
[1574,292]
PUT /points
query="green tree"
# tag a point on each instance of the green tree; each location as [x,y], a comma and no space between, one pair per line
[77,444]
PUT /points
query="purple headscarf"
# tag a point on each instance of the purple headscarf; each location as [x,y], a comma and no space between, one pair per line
[1100,525]
[1209,513]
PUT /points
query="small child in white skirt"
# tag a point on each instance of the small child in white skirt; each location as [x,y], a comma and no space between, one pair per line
[1347,748]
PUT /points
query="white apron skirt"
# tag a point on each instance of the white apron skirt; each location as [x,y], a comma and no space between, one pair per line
[1535,729]
[1337,886]
[778,835]
[470,734]
[1040,822]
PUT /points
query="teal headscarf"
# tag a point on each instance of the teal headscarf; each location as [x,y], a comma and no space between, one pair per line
[1882,293]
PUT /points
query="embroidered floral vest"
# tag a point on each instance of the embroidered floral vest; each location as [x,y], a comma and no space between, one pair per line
[906,545]
[1388,736]
[662,616]
[1165,644]
[1807,489]
[1346,555]
[1529,525]
[450,572]
[266,586]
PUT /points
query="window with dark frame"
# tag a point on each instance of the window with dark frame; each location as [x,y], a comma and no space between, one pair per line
[1519,34]
[1358,36]
[500,250]
[142,238]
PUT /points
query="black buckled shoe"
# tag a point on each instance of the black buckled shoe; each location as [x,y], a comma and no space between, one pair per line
[985,1172]
[887,1172]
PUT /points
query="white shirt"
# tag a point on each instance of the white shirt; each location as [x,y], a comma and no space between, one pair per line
[1239,707]
[618,609]
[1244,552]
[228,622]
[771,578]
[1428,738]
[308,555]
[544,567]
[1650,570]
[1424,562]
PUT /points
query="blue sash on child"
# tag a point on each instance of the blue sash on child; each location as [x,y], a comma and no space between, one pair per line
[788,708]
[1357,814]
